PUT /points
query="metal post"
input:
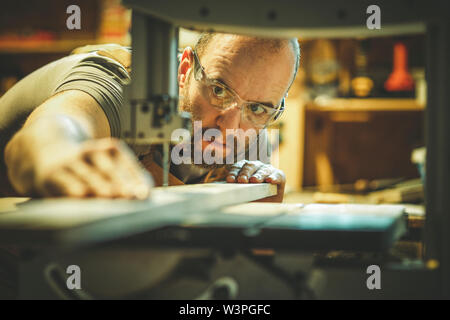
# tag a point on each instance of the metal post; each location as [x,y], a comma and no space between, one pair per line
[437,186]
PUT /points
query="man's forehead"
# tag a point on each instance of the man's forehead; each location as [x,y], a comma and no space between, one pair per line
[234,45]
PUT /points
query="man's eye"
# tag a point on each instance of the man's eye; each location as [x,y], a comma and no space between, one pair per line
[219,91]
[257,109]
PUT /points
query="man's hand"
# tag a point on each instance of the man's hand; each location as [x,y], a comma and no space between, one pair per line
[64,149]
[258,172]
[103,168]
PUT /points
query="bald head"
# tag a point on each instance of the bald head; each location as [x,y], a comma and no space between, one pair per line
[255,47]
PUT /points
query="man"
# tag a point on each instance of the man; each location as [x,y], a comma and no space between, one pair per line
[71,108]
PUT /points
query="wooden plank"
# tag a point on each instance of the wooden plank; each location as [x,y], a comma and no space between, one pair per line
[79,221]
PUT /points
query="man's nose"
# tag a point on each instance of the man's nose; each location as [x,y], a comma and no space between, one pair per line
[229,119]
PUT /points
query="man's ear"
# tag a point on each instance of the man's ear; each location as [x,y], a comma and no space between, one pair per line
[186,63]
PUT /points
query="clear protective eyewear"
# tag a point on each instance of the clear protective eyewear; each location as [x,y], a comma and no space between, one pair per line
[223,98]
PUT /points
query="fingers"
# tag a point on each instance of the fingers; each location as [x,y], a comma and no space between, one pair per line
[108,168]
[103,168]
[255,172]
[117,163]
[258,172]
[234,171]
[261,174]
[129,165]
[96,184]
[127,178]
[242,171]
[63,183]
[277,177]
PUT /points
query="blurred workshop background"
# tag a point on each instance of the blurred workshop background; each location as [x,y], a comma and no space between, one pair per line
[353,129]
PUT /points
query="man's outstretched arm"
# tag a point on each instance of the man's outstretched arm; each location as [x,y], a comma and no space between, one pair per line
[65,149]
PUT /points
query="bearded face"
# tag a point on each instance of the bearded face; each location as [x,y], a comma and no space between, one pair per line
[210,140]
[251,72]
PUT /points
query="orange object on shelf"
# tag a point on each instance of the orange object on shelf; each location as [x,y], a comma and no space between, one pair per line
[400,79]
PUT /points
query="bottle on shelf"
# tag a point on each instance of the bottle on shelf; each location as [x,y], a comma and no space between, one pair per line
[362,83]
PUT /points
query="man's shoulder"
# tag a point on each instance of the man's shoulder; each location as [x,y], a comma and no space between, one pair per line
[115,52]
